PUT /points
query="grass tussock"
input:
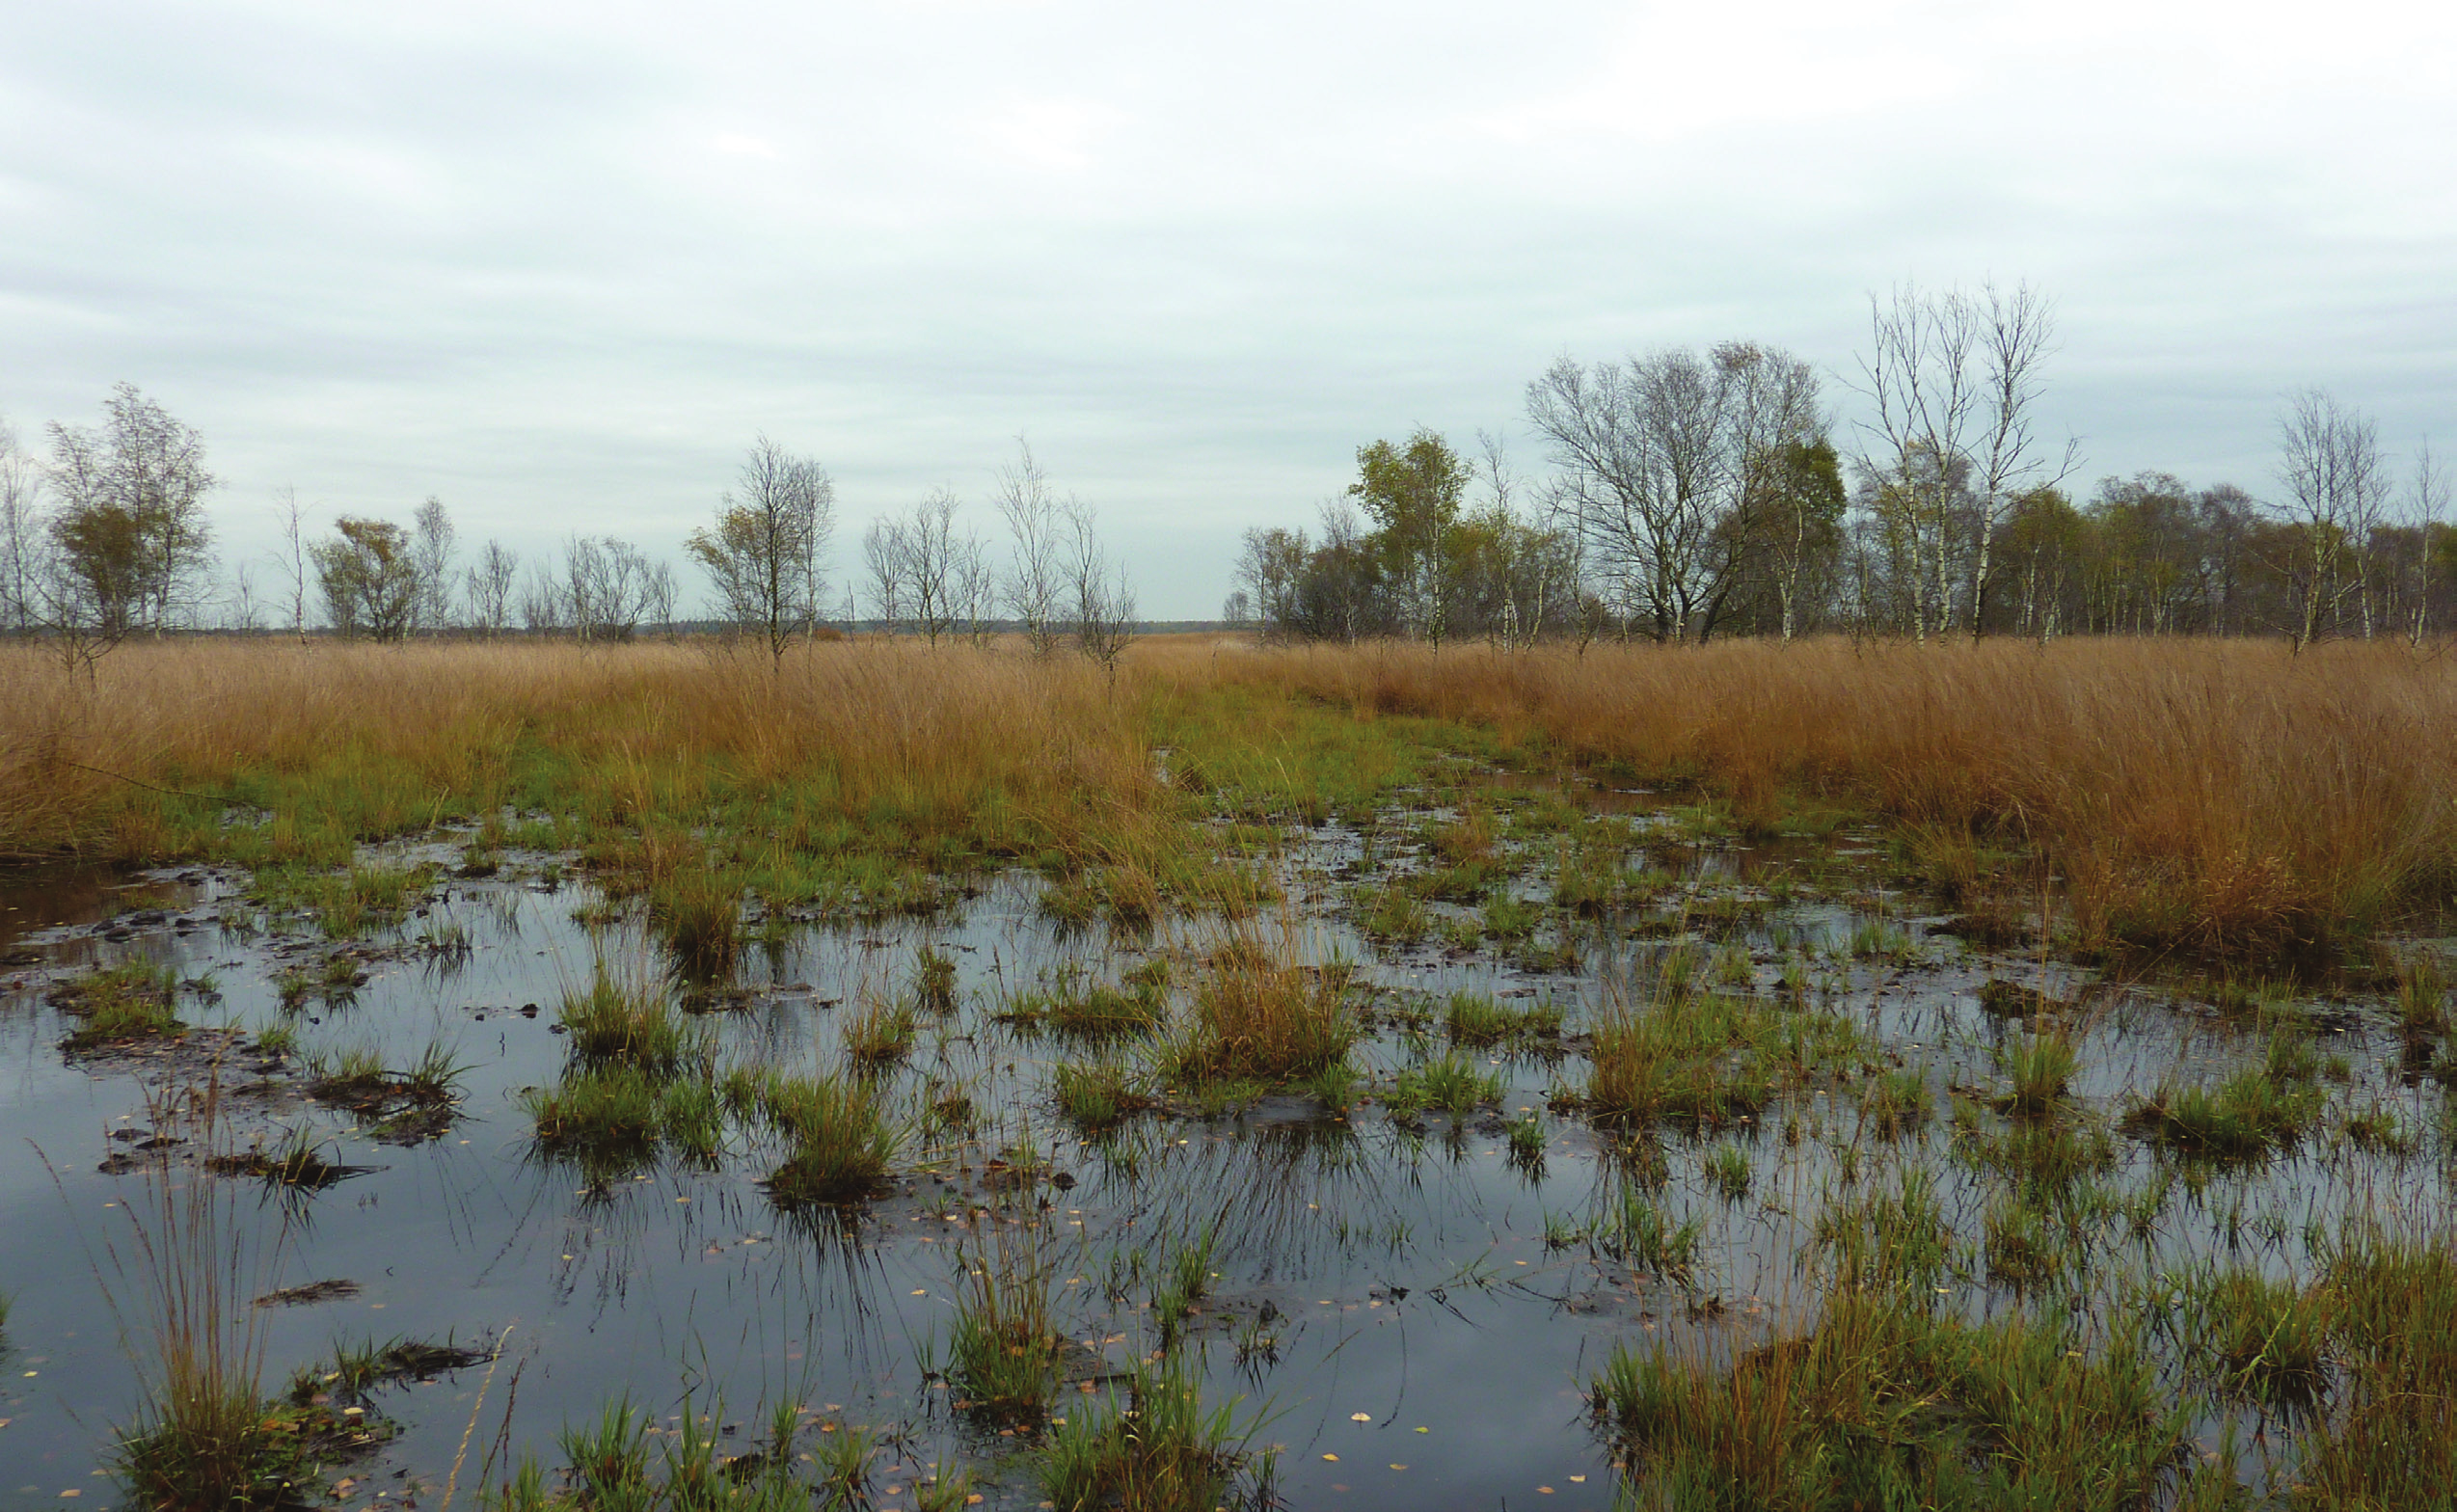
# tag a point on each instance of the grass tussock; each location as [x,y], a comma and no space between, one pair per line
[1680,1056]
[181,1278]
[1259,1015]
[634,1023]
[1154,1447]
[130,1001]
[1888,1403]
[1473,1018]
[840,1138]
[2247,1115]
[1005,1348]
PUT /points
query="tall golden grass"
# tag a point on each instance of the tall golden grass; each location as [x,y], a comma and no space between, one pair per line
[419,731]
[2220,796]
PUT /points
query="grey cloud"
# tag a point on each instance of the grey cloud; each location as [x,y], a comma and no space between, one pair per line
[558,266]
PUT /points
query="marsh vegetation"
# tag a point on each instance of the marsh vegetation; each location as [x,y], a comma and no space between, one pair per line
[873,1075]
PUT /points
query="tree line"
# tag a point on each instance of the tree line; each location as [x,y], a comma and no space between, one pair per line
[1693,494]
[1686,493]
[107,537]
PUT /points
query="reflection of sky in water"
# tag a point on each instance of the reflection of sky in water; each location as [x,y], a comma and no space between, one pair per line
[1402,1274]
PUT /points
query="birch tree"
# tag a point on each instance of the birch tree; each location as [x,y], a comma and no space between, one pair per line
[762,555]
[2335,480]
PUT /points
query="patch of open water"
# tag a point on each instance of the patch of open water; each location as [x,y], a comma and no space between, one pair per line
[1426,1344]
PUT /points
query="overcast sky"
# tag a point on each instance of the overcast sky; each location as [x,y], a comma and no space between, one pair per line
[559,264]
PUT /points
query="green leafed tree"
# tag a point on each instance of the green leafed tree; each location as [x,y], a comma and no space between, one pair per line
[1415,494]
[763,554]
[369,576]
[129,529]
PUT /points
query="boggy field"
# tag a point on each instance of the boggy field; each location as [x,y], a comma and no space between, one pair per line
[1822,1077]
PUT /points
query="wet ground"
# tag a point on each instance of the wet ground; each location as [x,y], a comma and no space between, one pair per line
[1406,1310]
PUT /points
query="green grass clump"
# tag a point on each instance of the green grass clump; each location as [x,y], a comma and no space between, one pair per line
[1728,1172]
[130,1001]
[2247,1116]
[357,902]
[1451,1085]
[1186,1282]
[933,981]
[2039,1066]
[1889,1403]
[1395,915]
[608,1108]
[880,1032]
[1708,1058]
[2043,1154]
[1894,1239]
[841,1137]
[1634,1230]
[2422,995]
[2021,1245]
[1005,1348]
[2254,1335]
[1528,1141]
[1893,1103]
[1153,1448]
[1096,1094]
[1473,1018]
[1510,920]
[1258,1017]
[622,1464]
[2390,1437]
[634,1024]
[696,914]
[1087,1010]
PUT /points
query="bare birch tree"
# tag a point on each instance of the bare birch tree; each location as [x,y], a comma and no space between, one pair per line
[2017,331]
[433,544]
[24,536]
[883,559]
[1927,390]
[1035,577]
[290,522]
[489,588]
[2337,482]
[2426,503]
[1103,600]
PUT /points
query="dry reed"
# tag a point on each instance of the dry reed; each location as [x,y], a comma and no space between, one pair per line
[2216,797]
[2219,797]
